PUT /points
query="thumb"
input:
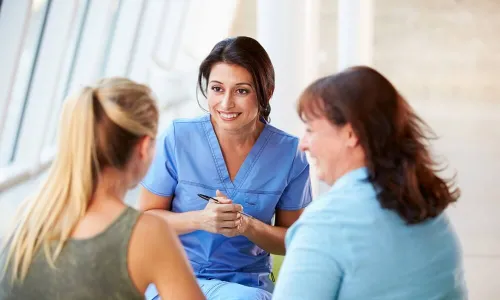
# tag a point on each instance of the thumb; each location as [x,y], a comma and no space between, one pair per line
[223,199]
[219,194]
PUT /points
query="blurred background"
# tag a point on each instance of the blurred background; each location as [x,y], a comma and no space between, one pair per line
[443,56]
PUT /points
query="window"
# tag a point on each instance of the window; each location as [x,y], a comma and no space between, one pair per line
[30,48]
[68,67]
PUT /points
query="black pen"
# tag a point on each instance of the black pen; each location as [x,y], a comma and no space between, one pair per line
[208,198]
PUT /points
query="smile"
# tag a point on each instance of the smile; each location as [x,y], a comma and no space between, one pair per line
[228,116]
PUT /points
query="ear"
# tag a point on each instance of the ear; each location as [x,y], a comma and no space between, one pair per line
[144,145]
[350,136]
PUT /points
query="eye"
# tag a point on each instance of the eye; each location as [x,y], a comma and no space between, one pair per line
[216,89]
[242,91]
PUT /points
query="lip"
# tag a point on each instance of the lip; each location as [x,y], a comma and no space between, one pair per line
[226,112]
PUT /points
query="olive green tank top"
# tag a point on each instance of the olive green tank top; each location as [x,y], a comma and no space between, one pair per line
[94,268]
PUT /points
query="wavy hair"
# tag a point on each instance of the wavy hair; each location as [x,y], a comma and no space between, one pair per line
[393,137]
[249,54]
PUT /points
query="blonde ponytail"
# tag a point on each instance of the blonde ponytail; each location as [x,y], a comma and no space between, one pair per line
[50,216]
[48,219]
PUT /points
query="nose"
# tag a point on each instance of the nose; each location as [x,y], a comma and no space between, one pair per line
[227,101]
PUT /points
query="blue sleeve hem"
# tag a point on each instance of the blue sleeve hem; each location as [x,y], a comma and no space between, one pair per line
[294,207]
[150,189]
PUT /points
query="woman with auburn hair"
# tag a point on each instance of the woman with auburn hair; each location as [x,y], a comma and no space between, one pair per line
[77,239]
[381,231]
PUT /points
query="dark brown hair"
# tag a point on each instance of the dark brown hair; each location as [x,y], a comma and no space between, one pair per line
[392,136]
[249,54]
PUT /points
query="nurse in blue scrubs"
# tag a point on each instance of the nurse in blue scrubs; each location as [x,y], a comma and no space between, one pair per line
[234,154]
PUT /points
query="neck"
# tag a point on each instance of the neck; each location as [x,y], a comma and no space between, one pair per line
[247,135]
[356,161]
[112,186]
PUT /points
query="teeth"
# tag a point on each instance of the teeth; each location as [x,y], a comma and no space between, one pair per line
[228,116]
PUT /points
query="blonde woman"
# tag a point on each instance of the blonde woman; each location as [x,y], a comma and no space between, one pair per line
[77,239]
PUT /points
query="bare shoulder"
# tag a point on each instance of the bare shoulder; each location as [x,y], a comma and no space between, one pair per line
[156,256]
[152,230]
[151,235]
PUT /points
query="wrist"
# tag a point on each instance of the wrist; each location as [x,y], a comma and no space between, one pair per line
[196,219]
[249,227]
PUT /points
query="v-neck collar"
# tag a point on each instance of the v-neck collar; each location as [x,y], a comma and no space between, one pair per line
[220,163]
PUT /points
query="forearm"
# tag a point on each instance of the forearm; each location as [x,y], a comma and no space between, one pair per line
[268,237]
[182,223]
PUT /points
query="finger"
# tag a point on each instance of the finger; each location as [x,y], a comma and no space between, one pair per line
[223,200]
[229,224]
[237,208]
[229,216]
[228,208]
[234,208]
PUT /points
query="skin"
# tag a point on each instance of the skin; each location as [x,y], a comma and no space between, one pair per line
[163,262]
[233,106]
[334,150]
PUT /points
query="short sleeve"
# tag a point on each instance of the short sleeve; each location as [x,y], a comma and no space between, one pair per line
[297,193]
[161,178]
[314,246]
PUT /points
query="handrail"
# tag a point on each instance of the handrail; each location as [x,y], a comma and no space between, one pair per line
[23,174]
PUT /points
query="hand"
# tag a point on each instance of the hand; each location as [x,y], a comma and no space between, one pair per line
[222,217]
[243,220]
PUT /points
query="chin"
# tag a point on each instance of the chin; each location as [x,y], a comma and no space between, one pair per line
[229,125]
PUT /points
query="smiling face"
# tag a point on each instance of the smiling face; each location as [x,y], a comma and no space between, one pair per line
[335,150]
[231,95]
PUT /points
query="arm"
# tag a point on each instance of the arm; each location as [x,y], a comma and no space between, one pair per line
[156,256]
[172,274]
[295,197]
[159,186]
[160,206]
[215,218]
[268,237]
[310,262]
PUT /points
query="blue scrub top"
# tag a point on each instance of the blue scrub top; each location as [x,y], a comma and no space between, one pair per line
[274,175]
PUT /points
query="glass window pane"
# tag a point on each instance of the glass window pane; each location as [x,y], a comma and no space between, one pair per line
[21,85]
[68,68]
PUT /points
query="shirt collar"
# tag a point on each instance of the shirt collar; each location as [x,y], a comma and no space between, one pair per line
[350,177]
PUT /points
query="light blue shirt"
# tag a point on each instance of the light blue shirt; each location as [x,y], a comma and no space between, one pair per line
[274,175]
[346,247]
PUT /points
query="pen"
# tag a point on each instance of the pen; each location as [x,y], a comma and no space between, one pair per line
[208,198]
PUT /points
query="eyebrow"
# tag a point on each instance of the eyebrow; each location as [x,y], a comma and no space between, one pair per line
[240,83]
